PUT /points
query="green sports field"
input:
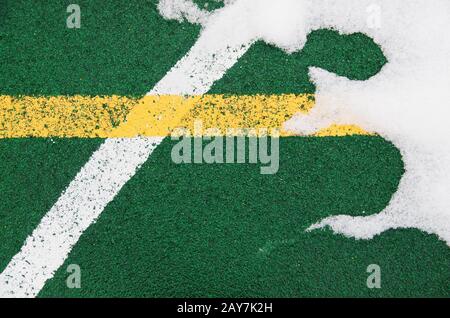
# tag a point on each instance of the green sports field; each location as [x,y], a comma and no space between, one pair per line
[202,230]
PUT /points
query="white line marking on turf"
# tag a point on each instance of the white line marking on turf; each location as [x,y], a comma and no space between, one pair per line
[227,35]
[109,169]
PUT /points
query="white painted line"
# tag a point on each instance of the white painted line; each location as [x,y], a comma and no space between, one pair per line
[226,36]
[110,167]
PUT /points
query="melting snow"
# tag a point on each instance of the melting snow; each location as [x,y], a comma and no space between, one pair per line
[407,102]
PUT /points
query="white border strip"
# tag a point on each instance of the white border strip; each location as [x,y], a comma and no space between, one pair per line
[109,169]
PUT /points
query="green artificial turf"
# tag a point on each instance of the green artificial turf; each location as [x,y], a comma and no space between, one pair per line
[122,48]
[203,230]
[228,231]
[33,174]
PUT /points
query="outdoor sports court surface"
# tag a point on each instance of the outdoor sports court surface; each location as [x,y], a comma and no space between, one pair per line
[197,230]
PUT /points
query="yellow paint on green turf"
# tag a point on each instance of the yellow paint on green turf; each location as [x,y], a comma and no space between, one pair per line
[118,116]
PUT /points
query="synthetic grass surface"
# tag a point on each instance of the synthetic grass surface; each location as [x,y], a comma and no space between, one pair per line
[203,230]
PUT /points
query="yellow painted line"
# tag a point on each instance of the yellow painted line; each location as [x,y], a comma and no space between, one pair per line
[118,116]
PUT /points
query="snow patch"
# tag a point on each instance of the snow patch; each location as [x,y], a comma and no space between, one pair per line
[407,102]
